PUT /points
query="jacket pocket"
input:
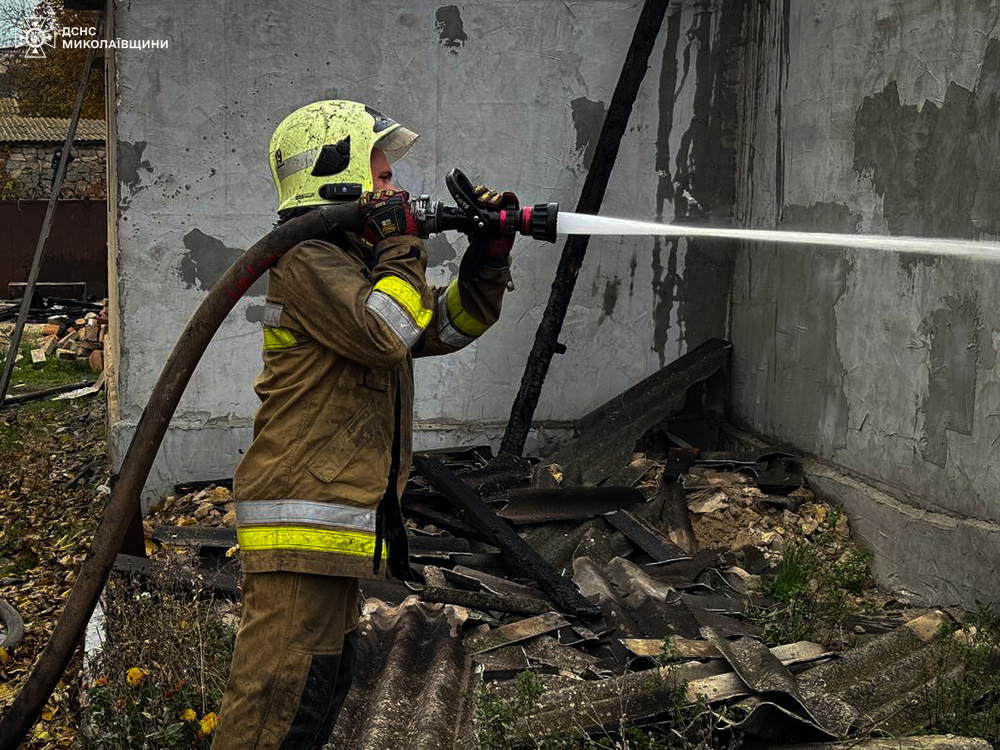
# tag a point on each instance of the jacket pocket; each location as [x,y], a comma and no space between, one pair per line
[338,451]
[377,380]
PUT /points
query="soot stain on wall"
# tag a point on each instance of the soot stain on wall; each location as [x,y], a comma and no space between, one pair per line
[933,165]
[952,336]
[439,250]
[130,161]
[451,30]
[822,217]
[612,288]
[207,259]
[588,117]
[705,167]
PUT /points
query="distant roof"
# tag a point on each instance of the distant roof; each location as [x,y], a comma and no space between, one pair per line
[15,127]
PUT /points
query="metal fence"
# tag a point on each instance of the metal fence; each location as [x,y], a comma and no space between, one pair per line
[76,253]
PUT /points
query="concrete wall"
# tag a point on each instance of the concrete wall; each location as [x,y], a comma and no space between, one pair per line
[879,117]
[513,92]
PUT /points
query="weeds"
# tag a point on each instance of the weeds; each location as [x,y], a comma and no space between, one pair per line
[969,708]
[814,593]
[159,679]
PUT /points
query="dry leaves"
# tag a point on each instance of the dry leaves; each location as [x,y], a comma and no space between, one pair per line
[53,463]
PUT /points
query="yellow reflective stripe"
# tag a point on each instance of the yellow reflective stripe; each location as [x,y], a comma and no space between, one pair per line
[406,295]
[459,318]
[278,338]
[259,538]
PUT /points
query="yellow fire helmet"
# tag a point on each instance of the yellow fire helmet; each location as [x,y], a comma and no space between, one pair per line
[321,153]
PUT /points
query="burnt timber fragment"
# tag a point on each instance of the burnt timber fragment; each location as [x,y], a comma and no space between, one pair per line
[514,633]
[646,538]
[605,437]
[517,553]
[567,503]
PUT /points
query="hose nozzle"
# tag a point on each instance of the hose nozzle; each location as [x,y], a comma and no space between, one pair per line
[537,222]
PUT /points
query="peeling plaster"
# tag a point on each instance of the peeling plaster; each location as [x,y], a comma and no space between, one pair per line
[934,165]
[952,336]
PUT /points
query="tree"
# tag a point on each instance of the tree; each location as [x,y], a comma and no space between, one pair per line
[47,87]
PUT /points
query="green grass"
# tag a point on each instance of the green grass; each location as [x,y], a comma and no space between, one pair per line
[54,372]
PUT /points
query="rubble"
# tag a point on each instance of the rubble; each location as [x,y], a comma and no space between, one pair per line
[686,577]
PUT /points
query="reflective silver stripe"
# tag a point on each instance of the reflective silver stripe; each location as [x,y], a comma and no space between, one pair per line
[446,331]
[292,512]
[395,316]
[296,163]
[271,315]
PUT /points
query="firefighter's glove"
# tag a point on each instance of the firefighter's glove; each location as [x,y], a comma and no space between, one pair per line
[496,247]
[386,213]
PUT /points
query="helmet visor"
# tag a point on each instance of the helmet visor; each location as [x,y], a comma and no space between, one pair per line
[396,143]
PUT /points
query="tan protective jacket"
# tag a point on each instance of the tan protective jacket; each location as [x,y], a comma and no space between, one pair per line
[339,337]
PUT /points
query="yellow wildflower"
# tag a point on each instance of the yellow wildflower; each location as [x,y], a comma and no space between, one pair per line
[208,722]
[135,676]
[188,715]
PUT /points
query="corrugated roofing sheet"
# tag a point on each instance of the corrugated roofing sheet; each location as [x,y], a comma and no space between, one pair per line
[414,686]
[18,128]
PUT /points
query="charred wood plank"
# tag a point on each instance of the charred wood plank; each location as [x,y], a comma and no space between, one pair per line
[517,554]
[529,506]
[195,536]
[196,581]
[443,521]
[648,539]
[514,633]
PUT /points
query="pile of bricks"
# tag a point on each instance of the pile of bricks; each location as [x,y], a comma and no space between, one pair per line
[74,339]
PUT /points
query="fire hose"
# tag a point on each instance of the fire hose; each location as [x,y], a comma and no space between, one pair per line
[432,217]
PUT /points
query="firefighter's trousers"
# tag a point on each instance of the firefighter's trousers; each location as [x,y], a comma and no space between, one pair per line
[293,662]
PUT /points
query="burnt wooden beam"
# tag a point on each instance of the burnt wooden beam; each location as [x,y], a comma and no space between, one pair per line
[591,196]
[517,553]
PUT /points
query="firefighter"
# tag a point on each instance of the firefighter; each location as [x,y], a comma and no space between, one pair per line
[317,492]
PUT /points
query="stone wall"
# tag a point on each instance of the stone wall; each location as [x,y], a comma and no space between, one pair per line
[29,165]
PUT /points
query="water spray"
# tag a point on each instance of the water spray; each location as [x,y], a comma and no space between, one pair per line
[545,222]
